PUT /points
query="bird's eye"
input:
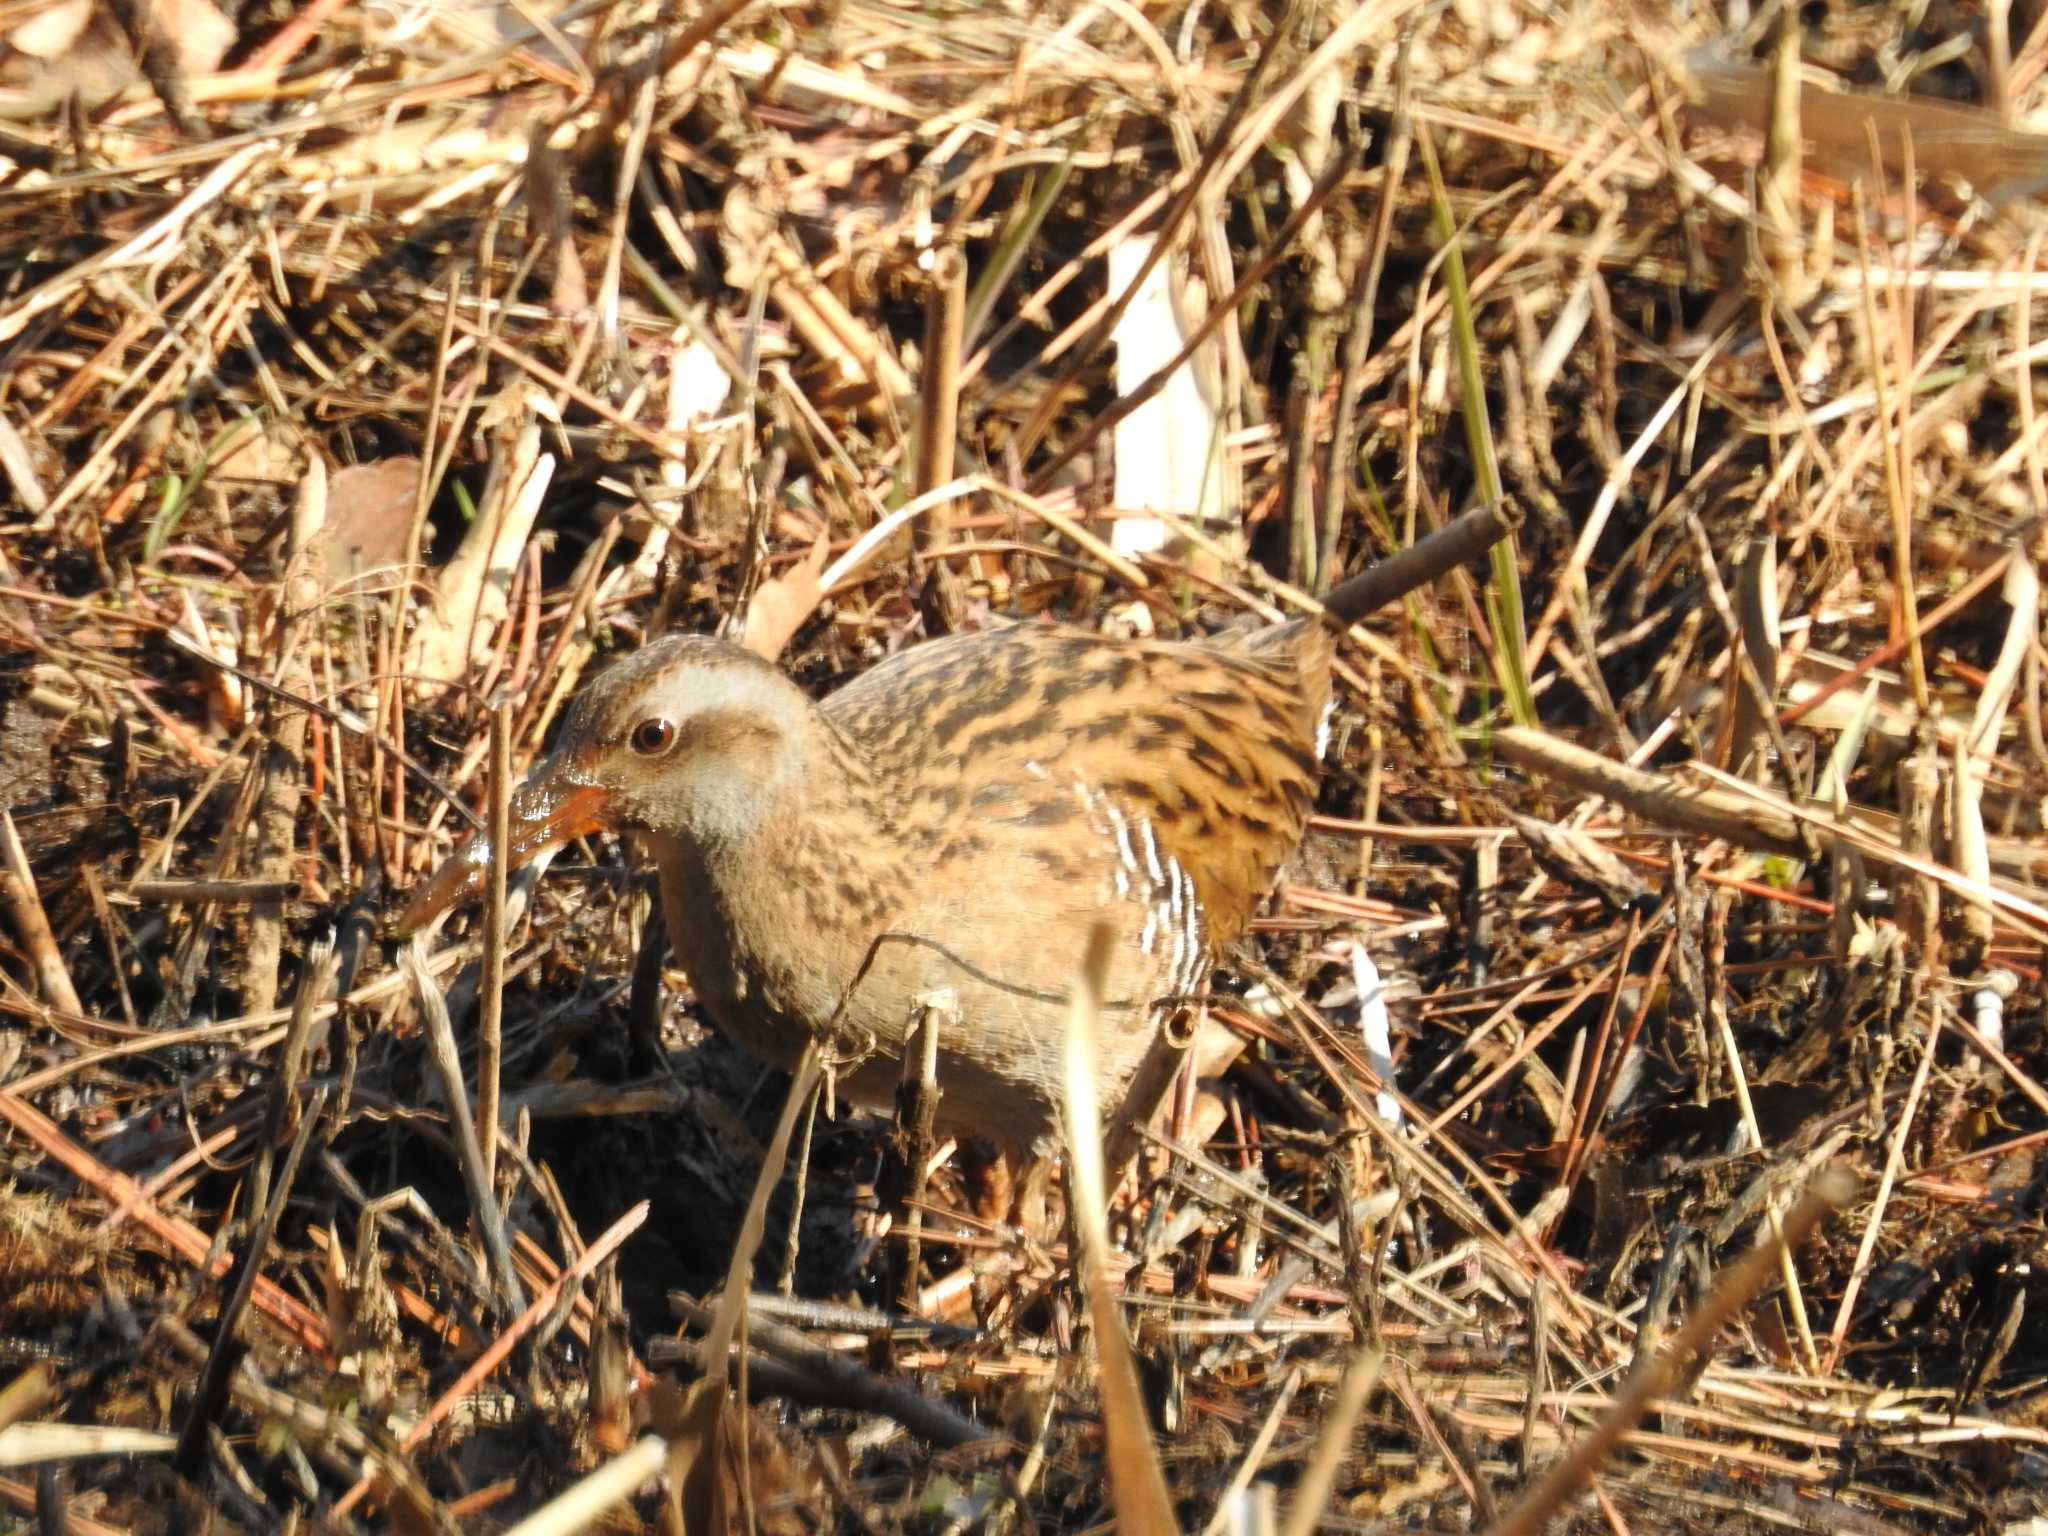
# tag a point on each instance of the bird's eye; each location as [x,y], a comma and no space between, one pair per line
[652,736]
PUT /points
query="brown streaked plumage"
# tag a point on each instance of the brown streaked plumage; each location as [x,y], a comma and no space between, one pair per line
[975,805]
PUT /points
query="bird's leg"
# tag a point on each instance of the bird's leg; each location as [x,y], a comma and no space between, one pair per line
[987,1174]
[909,1162]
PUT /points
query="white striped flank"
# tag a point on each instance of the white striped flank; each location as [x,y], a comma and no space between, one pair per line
[1143,871]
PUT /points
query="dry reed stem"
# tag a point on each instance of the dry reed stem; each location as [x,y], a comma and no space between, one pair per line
[445,1060]
[1137,1484]
[585,1502]
[1657,1374]
[303,280]
[497,943]
[1312,1494]
[479,1370]
[303,1325]
[31,922]
[697,1442]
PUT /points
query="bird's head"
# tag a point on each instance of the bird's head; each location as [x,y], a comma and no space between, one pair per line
[687,739]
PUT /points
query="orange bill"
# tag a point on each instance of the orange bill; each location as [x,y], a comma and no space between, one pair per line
[548,810]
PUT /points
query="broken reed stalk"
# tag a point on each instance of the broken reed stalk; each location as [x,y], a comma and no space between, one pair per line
[32,923]
[169,893]
[1905,607]
[446,1061]
[1663,799]
[281,754]
[1313,1491]
[490,1036]
[1661,1372]
[938,424]
[938,421]
[1783,237]
[314,981]
[211,1394]
[1137,1484]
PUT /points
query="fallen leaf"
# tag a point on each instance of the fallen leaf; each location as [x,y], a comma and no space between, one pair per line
[782,603]
[369,513]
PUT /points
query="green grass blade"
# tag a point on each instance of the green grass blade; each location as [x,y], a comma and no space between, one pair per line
[1504,591]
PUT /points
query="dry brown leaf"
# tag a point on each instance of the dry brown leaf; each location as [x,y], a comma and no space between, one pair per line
[782,603]
[369,514]
[472,590]
[272,455]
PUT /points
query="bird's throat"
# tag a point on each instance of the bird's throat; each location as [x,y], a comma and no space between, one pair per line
[771,925]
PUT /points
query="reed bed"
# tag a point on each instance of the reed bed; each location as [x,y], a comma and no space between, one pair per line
[1643,1120]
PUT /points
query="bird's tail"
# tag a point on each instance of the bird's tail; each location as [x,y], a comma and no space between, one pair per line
[1465,537]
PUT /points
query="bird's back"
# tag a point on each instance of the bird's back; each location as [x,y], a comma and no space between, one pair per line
[1078,754]
[1038,781]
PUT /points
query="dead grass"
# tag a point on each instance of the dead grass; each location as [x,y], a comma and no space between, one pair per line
[393,368]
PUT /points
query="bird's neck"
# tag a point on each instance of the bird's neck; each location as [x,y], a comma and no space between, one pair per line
[763,916]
